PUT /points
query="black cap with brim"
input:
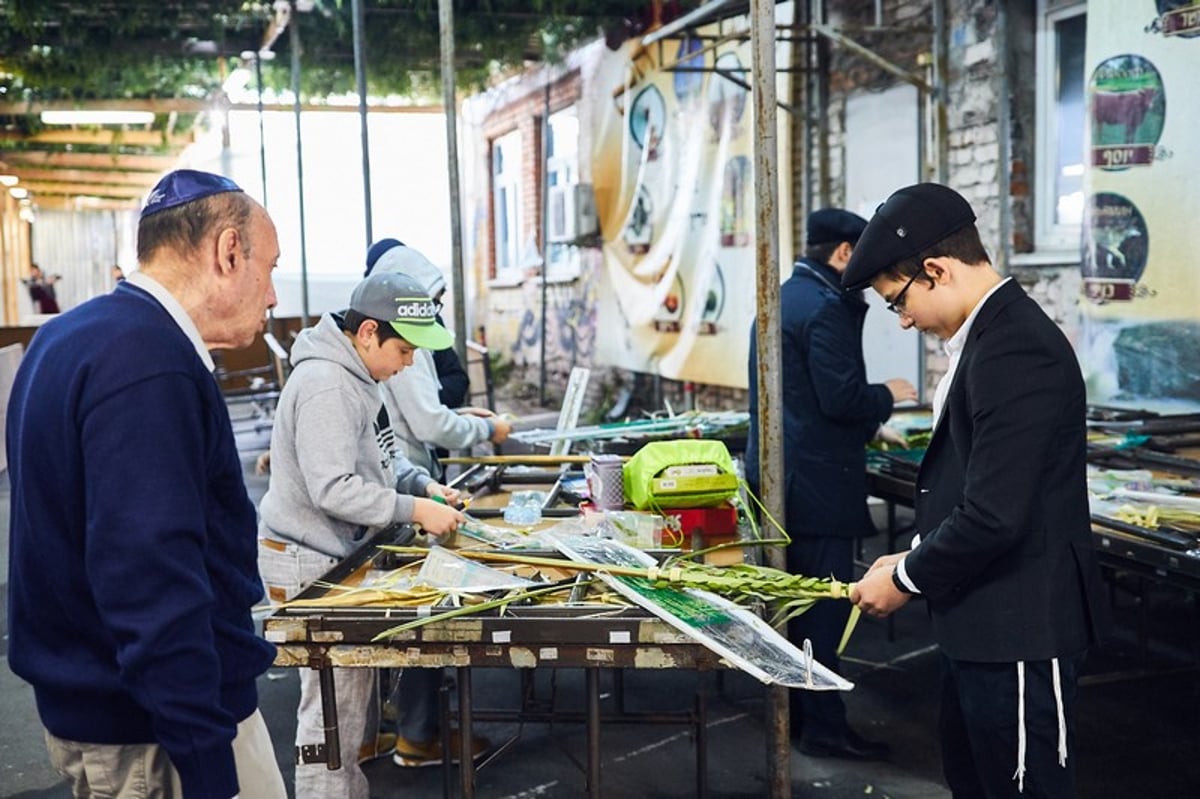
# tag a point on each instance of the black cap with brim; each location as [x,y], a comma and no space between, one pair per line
[912,219]
[833,226]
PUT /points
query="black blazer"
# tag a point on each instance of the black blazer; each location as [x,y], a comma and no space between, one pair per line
[1006,560]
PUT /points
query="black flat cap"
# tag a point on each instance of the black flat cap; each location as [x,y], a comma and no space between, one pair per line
[911,220]
[833,226]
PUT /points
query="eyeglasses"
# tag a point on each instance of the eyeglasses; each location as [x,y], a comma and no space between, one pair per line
[896,306]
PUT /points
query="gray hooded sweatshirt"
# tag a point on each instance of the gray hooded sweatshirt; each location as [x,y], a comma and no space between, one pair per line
[331,481]
[419,418]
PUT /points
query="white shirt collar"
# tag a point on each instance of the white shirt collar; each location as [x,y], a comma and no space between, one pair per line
[955,343]
[954,347]
[172,307]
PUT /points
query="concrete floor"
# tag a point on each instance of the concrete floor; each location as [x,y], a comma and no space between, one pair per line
[1139,725]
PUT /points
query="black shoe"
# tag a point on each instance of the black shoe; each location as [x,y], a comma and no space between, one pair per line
[850,746]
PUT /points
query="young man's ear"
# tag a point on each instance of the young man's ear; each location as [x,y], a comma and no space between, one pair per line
[937,269]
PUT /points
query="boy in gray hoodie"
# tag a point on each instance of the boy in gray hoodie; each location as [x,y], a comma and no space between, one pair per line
[332,485]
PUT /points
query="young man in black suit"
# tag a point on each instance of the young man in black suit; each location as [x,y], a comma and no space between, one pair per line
[1004,553]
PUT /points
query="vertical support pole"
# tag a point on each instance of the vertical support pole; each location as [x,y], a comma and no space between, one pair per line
[770,390]
[294,42]
[545,239]
[941,119]
[1004,136]
[262,134]
[360,82]
[819,76]
[450,106]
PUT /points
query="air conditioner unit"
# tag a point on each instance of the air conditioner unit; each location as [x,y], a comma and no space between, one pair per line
[572,213]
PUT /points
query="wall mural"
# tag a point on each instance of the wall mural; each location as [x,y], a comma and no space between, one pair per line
[570,324]
[672,171]
[1139,258]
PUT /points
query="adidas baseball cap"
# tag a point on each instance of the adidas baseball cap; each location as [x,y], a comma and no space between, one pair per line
[400,301]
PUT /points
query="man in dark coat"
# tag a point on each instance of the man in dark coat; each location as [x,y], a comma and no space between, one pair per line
[830,412]
[1004,553]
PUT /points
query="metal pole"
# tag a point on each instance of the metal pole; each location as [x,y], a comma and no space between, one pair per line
[770,391]
[941,79]
[1004,134]
[360,82]
[449,100]
[294,40]
[262,136]
[545,241]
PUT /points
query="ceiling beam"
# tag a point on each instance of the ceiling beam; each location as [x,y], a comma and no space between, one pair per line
[113,177]
[99,137]
[42,187]
[163,105]
[62,202]
[123,162]
[350,109]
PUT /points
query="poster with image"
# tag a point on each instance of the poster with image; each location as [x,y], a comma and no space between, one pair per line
[672,167]
[1139,256]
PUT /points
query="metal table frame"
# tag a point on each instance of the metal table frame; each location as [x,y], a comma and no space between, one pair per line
[524,637]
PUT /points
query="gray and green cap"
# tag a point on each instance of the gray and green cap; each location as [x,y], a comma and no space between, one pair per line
[400,301]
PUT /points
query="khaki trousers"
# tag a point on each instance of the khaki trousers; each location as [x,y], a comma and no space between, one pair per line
[144,771]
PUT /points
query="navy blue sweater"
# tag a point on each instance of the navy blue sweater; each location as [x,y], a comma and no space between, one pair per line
[132,568]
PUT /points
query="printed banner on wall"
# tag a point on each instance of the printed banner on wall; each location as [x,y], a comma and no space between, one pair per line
[1140,260]
[672,170]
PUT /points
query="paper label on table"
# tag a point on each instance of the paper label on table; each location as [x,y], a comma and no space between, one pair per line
[548,653]
[618,637]
[501,636]
[602,655]
[443,569]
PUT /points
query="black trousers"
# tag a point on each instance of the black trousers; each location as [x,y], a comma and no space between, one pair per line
[979,729]
[820,715]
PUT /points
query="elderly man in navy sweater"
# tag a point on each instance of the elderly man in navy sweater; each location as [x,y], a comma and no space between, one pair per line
[133,542]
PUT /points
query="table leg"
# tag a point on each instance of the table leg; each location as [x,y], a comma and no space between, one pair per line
[593,732]
[444,725]
[466,761]
[333,748]
[701,730]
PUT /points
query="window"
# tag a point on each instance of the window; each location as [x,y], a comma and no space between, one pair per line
[506,202]
[1062,35]
[562,169]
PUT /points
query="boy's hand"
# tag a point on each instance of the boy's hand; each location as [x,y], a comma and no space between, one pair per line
[452,495]
[500,430]
[434,517]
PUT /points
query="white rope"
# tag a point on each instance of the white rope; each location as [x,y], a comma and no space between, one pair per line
[1062,717]
[1019,776]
